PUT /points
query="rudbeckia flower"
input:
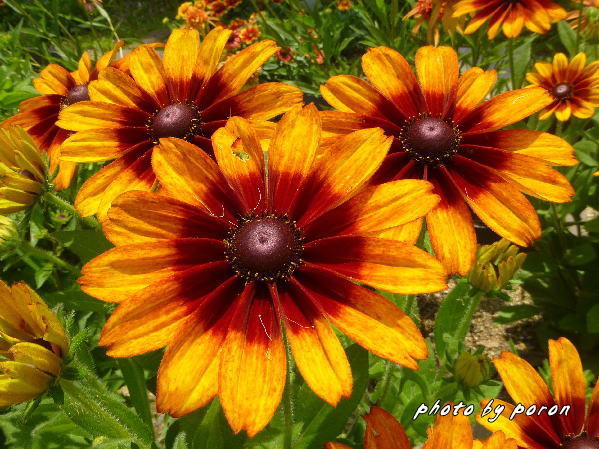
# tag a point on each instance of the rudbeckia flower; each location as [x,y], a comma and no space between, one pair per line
[510,15]
[59,88]
[32,344]
[577,429]
[383,431]
[182,96]
[445,132]
[573,85]
[240,247]
[23,170]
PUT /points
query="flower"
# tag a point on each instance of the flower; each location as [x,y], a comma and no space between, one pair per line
[510,15]
[23,170]
[434,13]
[194,16]
[249,34]
[495,265]
[587,22]
[343,5]
[444,132]
[59,88]
[183,95]
[573,85]
[32,344]
[285,55]
[578,429]
[383,431]
[8,232]
[240,247]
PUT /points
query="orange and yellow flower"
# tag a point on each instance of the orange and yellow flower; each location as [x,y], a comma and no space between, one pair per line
[573,84]
[32,344]
[578,429]
[446,133]
[383,431]
[59,88]
[184,95]
[344,5]
[436,14]
[510,15]
[239,247]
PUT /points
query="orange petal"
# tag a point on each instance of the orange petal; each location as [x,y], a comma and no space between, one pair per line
[113,86]
[210,54]
[336,122]
[383,431]
[98,145]
[496,201]
[408,232]
[552,149]
[450,432]
[344,169]
[336,446]
[438,71]
[253,349]
[108,58]
[376,209]
[391,74]
[235,72]
[120,272]
[473,87]
[88,115]
[505,109]
[318,354]
[389,265]
[148,72]
[189,174]
[497,440]
[351,94]
[54,79]
[569,384]
[450,228]
[241,159]
[180,61]
[190,359]
[138,217]
[289,168]
[366,317]
[592,425]
[84,68]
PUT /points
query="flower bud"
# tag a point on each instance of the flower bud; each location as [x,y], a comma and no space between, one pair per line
[495,265]
[8,232]
[471,369]
[32,344]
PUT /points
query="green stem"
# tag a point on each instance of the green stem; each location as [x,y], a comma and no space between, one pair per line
[288,408]
[46,255]
[63,204]
[510,45]
[386,381]
[578,32]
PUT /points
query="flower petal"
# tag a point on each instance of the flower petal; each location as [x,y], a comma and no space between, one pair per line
[438,71]
[148,72]
[450,432]
[569,384]
[54,80]
[450,228]
[210,54]
[336,122]
[253,349]
[89,115]
[366,317]
[138,217]
[113,86]
[180,61]
[473,86]
[552,149]
[96,145]
[391,74]
[389,265]
[592,425]
[319,356]
[383,431]
[496,201]
[505,109]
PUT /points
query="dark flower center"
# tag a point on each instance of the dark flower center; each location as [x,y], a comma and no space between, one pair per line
[562,91]
[430,139]
[175,120]
[582,442]
[265,248]
[76,94]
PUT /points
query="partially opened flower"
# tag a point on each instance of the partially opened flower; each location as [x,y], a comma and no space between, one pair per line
[436,14]
[495,265]
[23,171]
[446,133]
[576,429]
[510,15]
[240,247]
[32,344]
[574,86]
[383,431]
[59,89]
[183,95]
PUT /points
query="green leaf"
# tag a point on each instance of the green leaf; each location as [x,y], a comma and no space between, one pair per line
[587,152]
[135,379]
[181,442]
[96,410]
[522,59]
[593,319]
[509,314]
[567,36]
[580,255]
[327,422]
[455,314]
[87,244]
